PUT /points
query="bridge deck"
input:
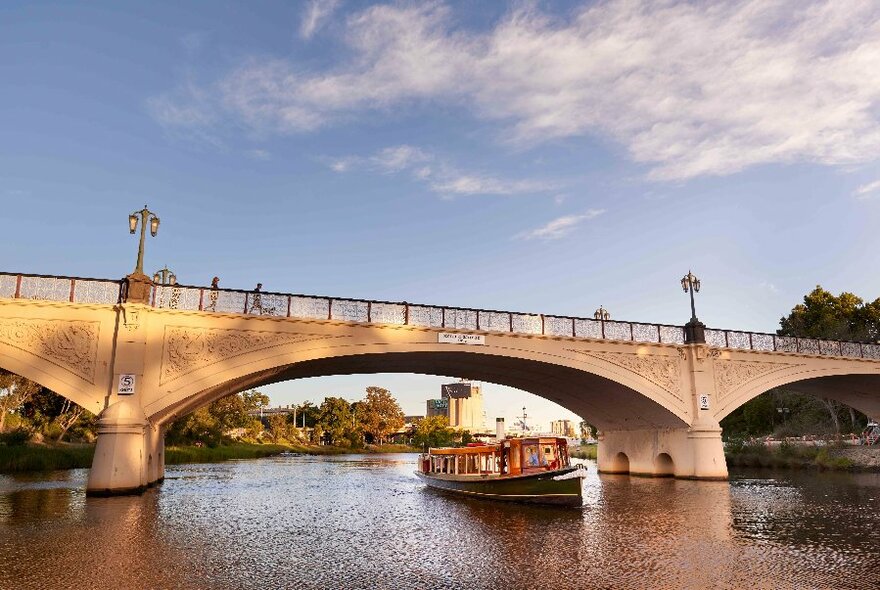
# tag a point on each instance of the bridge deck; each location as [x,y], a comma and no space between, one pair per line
[206,299]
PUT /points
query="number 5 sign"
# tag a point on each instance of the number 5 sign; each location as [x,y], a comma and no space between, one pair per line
[126,385]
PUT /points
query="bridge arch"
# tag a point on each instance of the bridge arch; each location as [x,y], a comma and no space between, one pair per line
[53,377]
[664,465]
[585,390]
[851,382]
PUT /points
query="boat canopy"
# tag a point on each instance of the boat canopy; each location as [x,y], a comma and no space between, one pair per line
[512,456]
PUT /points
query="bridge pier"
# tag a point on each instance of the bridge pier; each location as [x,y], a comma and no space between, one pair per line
[155,444]
[120,465]
[690,453]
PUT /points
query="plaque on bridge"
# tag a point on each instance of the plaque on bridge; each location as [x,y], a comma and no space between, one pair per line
[126,385]
[449,338]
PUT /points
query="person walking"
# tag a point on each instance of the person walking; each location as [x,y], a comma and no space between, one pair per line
[215,282]
[257,304]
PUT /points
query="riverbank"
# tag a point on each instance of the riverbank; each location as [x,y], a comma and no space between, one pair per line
[790,456]
[584,452]
[24,458]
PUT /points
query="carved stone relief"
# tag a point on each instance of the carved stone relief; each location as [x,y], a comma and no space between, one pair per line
[730,375]
[71,345]
[663,371]
[188,349]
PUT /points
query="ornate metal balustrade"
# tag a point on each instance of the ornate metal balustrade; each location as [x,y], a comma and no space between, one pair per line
[80,290]
[51,288]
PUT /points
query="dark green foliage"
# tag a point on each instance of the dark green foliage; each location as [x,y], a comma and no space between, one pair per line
[15,438]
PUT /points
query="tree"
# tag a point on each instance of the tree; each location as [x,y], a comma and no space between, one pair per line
[14,391]
[380,414]
[254,400]
[433,431]
[231,412]
[336,419]
[279,428]
[824,315]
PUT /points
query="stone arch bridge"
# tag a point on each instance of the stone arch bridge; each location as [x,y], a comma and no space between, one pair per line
[141,362]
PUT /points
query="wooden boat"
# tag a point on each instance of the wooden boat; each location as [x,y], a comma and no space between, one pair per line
[536,470]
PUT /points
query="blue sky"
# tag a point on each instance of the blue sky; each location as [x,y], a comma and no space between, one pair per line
[546,157]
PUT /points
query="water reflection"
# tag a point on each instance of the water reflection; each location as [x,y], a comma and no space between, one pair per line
[367,522]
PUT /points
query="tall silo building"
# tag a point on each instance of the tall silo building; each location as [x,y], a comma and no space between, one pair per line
[465,401]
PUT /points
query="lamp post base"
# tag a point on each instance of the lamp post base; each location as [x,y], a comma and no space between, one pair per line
[138,289]
[695,332]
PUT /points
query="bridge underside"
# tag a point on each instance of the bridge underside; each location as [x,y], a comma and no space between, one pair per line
[857,391]
[607,404]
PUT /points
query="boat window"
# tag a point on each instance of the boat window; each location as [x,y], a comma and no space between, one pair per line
[532,457]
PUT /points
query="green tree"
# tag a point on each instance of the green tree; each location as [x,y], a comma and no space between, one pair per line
[433,431]
[14,392]
[336,419]
[278,427]
[380,414]
[832,317]
[254,400]
[230,412]
[822,315]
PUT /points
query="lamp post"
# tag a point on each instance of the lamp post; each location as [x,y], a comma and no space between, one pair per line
[164,276]
[603,316]
[694,330]
[143,215]
[138,285]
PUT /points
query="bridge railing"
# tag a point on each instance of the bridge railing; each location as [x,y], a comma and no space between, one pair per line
[736,339]
[52,288]
[403,313]
[87,290]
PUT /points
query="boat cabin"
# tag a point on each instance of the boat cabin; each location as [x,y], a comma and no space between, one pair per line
[512,456]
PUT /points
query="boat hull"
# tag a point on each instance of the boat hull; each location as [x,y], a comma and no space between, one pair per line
[534,488]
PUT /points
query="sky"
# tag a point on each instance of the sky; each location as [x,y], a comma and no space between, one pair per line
[546,157]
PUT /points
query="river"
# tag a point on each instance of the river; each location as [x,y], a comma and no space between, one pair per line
[365,521]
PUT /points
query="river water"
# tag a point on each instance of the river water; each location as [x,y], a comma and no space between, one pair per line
[365,521]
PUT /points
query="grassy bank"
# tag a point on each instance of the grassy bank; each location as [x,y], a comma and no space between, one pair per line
[19,459]
[787,456]
[24,458]
[585,452]
[190,454]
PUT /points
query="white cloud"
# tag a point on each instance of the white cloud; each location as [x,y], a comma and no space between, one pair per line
[468,184]
[867,191]
[688,88]
[561,226]
[395,159]
[440,177]
[314,16]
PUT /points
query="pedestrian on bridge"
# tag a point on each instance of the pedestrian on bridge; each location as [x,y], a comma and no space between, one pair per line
[257,305]
[215,282]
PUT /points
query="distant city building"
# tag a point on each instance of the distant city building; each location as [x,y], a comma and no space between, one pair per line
[563,428]
[465,405]
[438,407]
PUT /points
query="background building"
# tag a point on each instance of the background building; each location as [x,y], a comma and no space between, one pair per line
[437,407]
[563,428]
[465,405]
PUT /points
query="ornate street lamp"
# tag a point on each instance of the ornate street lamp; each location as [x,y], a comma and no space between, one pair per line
[694,330]
[138,285]
[144,215]
[602,314]
[164,277]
